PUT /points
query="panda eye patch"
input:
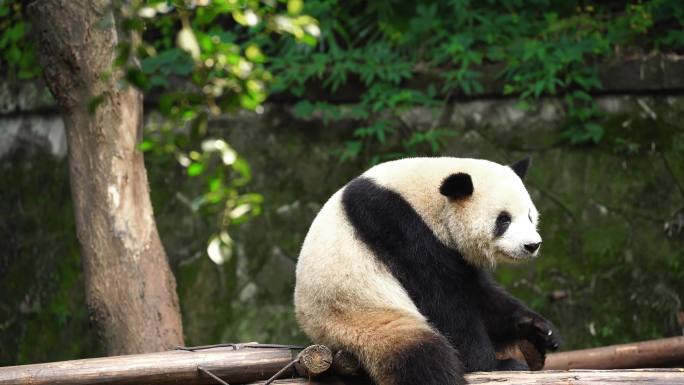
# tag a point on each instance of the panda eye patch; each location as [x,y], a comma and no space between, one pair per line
[502,223]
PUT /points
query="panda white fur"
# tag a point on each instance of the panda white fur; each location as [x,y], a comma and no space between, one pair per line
[395,269]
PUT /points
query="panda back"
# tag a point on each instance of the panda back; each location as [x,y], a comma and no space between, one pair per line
[336,269]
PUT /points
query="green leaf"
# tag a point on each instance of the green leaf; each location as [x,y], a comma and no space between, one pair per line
[215,183]
[137,78]
[508,89]
[303,109]
[594,131]
[158,81]
[16,32]
[195,169]
[187,41]
[294,7]
[146,145]
[308,40]
[351,150]
[523,105]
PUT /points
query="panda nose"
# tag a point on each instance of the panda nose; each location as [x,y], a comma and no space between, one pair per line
[532,247]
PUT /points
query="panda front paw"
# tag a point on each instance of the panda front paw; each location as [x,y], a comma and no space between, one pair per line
[539,331]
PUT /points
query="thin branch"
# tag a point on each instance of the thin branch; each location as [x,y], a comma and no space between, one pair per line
[212,375]
[281,371]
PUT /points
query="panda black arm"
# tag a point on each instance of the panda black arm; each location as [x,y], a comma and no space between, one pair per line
[507,319]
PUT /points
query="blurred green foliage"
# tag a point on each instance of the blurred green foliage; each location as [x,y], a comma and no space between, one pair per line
[201,59]
[17,54]
[42,307]
[226,50]
[455,48]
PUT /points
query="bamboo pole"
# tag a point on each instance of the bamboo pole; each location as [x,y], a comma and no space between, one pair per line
[648,354]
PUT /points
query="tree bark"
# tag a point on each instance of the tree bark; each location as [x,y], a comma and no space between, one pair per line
[130,290]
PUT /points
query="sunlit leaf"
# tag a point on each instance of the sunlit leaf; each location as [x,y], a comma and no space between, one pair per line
[220,249]
[294,7]
[187,42]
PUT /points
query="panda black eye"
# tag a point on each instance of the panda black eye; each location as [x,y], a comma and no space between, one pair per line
[502,223]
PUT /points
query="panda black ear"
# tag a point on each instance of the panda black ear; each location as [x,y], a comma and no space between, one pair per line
[520,167]
[457,186]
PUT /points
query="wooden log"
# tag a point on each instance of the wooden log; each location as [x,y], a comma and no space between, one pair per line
[253,362]
[657,353]
[553,377]
[245,364]
[581,377]
[314,360]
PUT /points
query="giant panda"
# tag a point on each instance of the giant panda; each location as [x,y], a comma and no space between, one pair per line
[395,268]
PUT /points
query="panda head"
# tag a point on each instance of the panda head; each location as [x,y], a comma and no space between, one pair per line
[489,214]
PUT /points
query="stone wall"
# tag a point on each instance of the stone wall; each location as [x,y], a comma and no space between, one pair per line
[612,268]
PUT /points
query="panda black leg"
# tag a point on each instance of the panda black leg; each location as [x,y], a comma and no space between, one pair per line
[506,318]
[431,361]
[395,347]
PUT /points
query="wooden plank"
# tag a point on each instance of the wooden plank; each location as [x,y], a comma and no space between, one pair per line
[648,354]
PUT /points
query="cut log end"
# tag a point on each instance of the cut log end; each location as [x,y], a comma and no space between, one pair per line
[314,360]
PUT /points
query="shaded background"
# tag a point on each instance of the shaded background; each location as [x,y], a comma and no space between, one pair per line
[612,210]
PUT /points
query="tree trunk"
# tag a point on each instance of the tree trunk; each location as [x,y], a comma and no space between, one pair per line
[130,290]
